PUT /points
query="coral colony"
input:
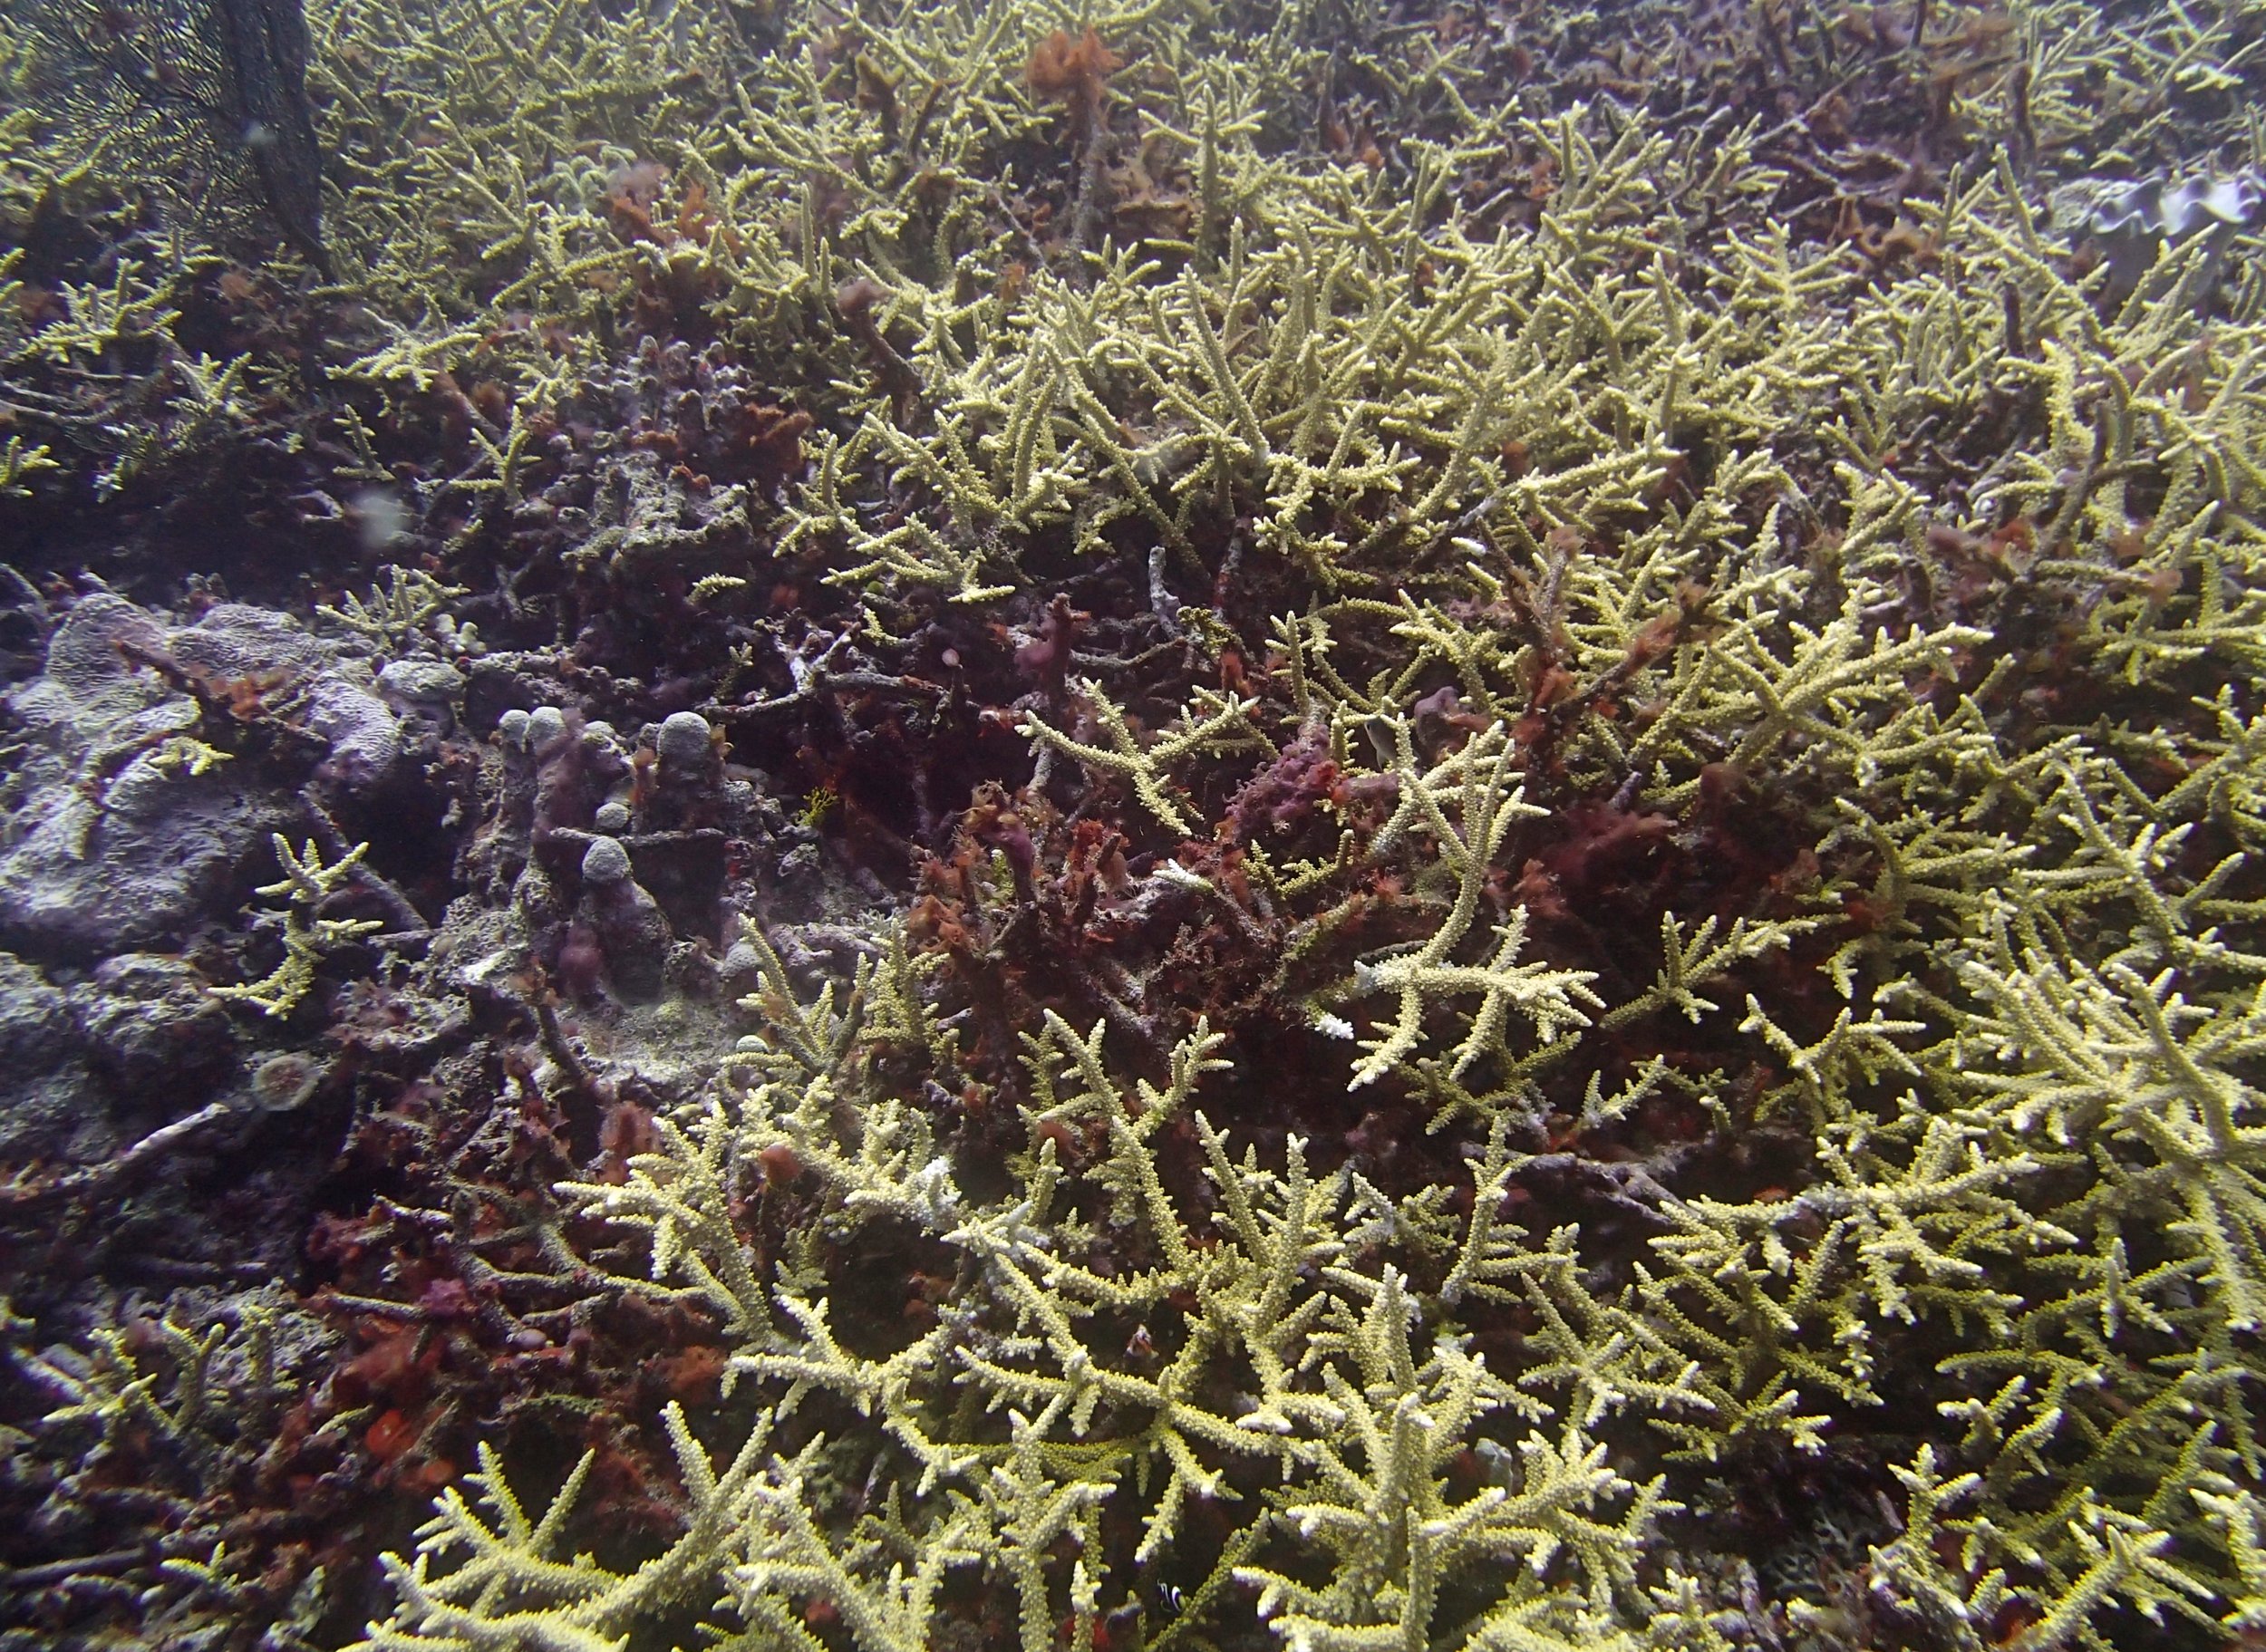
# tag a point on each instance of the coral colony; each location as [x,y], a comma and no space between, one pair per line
[953,823]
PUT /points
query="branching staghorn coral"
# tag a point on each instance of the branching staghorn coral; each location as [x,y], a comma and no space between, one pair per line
[510,1587]
[398,610]
[1025,1423]
[1548,998]
[308,937]
[1718,656]
[158,1414]
[1894,1232]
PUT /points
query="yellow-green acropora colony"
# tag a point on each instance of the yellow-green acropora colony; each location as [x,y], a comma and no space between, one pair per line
[1606,988]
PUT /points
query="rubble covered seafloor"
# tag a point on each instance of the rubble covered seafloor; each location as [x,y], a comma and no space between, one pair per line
[1331,825]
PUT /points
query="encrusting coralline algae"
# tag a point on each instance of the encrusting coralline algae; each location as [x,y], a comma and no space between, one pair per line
[1337,826]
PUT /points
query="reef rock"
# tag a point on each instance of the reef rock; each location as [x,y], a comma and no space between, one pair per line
[154,1031]
[123,830]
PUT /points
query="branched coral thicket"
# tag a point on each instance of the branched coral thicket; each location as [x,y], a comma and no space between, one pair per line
[1625,893]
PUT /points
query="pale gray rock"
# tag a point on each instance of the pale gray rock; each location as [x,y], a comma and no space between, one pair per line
[332,692]
[422,682]
[154,1031]
[37,1032]
[683,739]
[110,841]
